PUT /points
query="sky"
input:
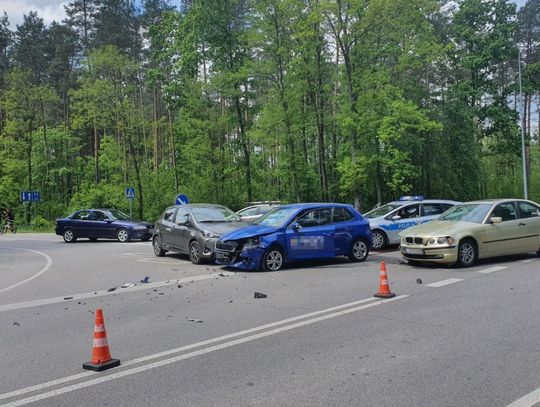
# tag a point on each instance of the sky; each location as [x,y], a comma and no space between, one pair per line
[51,10]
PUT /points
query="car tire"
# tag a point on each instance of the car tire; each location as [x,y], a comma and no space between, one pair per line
[158,249]
[92,239]
[195,252]
[380,240]
[273,259]
[359,250]
[467,253]
[123,235]
[69,236]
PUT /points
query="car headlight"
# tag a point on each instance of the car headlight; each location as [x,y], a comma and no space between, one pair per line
[208,234]
[446,240]
[252,242]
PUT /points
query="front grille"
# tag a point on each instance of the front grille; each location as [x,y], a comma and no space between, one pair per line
[227,246]
[416,240]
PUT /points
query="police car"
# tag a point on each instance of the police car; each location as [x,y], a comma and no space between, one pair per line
[388,220]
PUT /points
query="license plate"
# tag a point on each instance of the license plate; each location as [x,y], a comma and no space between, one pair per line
[413,251]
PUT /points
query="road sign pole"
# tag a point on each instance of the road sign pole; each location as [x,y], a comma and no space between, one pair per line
[130,205]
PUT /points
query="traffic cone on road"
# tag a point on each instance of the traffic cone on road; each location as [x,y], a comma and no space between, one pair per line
[101,357]
[384,288]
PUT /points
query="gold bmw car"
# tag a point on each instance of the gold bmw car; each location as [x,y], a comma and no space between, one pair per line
[475,230]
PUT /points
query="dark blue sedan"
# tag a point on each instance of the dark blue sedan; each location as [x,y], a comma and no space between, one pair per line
[102,223]
[296,232]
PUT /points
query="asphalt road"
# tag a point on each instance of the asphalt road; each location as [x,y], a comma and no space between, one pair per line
[196,336]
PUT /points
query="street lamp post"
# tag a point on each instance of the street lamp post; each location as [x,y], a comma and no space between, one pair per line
[522,125]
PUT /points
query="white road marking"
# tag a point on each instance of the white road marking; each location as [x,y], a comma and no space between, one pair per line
[40,272]
[528,400]
[491,269]
[442,283]
[312,318]
[94,294]
[527,261]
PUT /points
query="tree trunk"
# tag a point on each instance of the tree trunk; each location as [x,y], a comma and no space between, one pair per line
[173,151]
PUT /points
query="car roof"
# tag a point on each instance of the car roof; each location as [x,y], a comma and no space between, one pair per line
[497,200]
[406,202]
[316,205]
[198,205]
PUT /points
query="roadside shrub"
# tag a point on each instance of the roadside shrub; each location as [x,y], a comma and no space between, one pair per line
[40,223]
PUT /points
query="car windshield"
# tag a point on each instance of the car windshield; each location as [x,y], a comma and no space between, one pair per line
[276,218]
[117,215]
[214,214]
[381,210]
[466,213]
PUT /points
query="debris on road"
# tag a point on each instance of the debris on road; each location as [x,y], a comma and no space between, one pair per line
[145,280]
[194,320]
[112,289]
[68,298]
[418,281]
[179,285]
[127,285]
[259,295]
[16,324]
[230,302]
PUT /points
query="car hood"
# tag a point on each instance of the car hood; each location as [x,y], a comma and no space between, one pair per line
[219,228]
[437,228]
[249,231]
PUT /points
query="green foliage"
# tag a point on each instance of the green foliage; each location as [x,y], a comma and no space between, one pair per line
[243,100]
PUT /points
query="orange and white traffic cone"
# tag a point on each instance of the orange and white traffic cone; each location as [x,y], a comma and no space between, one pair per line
[101,357]
[384,288]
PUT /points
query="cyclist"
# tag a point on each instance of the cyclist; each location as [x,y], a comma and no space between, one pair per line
[10,220]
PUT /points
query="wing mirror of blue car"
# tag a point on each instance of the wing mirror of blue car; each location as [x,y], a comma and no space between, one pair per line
[295,226]
[495,219]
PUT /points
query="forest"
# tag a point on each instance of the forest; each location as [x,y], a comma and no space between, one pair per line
[234,101]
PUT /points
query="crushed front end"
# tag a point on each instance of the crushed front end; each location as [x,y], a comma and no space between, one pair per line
[244,254]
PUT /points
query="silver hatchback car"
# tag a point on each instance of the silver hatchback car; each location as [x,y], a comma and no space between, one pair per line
[388,220]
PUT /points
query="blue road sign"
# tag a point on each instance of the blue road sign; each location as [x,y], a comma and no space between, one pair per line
[30,196]
[182,199]
[130,193]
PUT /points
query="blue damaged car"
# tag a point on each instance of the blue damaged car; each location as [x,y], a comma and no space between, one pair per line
[296,232]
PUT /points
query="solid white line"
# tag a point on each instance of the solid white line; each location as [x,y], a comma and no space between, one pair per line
[491,269]
[178,358]
[528,400]
[442,283]
[40,272]
[94,294]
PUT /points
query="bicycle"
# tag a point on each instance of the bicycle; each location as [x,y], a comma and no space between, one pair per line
[9,225]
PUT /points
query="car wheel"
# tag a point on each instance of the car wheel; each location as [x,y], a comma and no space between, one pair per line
[158,250]
[467,253]
[195,252]
[123,235]
[359,250]
[380,240]
[92,239]
[69,236]
[273,259]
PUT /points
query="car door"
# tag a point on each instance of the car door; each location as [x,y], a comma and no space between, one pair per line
[166,224]
[529,219]
[343,229]
[431,211]
[100,227]
[82,224]
[314,236]
[402,218]
[506,237]
[181,229]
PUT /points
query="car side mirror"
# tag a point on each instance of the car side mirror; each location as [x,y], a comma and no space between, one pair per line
[296,226]
[108,220]
[495,219]
[396,217]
